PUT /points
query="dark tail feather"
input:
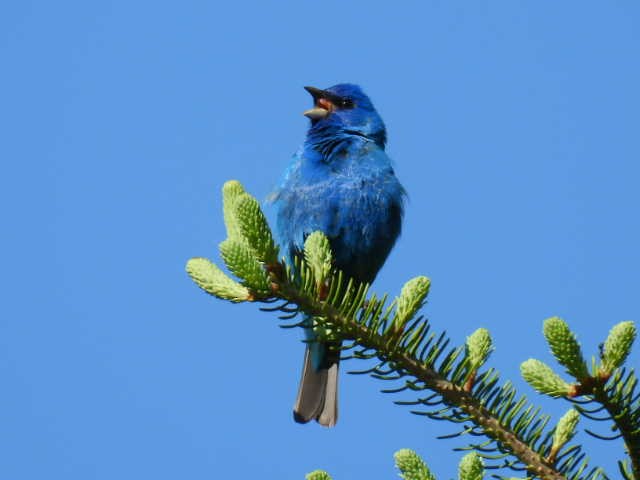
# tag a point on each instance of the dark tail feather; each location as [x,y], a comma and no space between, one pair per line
[317,394]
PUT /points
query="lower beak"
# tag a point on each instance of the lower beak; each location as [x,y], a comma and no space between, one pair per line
[316,113]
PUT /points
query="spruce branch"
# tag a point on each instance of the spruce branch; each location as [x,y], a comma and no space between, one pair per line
[400,354]
[619,398]
[612,388]
[449,384]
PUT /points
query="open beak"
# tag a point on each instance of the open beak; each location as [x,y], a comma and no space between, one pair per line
[324,103]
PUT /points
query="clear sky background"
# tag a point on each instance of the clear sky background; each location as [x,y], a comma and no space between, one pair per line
[514,127]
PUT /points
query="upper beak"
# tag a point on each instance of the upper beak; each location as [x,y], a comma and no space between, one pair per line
[316,93]
[324,102]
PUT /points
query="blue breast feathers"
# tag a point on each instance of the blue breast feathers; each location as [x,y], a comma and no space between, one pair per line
[346,188]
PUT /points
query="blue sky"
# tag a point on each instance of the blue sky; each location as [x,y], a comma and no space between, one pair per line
[513,126]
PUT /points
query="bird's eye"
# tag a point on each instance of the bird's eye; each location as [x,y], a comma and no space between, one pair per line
[346,103]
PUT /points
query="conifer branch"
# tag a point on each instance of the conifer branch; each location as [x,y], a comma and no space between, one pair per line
[623,418]
[405,363]
[407,350]
[607,384]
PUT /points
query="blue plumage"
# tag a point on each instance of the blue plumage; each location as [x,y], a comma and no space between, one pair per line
[340,182]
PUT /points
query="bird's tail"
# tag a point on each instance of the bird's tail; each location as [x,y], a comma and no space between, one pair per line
[318,392]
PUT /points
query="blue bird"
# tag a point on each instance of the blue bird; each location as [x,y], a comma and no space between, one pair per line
[340,182]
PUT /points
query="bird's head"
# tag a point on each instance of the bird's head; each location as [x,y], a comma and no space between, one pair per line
[345,108]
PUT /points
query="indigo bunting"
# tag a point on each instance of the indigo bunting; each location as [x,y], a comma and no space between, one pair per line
[340,182]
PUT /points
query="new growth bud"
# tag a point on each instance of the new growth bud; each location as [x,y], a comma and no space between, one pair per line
[617,347]
[317,254]
[213,281]
[411,466]
[565,347]
[542,378]
[471,467]
[411,299]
